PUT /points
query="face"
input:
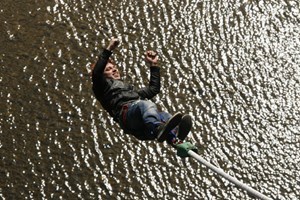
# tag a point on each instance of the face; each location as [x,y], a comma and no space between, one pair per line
[111,71]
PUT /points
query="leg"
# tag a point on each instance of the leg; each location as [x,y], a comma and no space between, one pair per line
[141,119]
[164,117]
[145,122]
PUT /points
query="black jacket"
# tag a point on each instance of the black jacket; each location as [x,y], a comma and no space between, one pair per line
[112,94]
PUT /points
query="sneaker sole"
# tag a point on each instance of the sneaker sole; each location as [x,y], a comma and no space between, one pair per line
[170,125]
[184,127]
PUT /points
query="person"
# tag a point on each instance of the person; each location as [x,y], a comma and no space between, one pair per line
[132,108]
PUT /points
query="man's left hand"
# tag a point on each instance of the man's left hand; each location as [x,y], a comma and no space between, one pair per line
[151,57]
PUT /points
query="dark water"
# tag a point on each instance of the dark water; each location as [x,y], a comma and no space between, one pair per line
[233,65]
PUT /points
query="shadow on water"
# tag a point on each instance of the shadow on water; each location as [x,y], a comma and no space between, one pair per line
[234,66]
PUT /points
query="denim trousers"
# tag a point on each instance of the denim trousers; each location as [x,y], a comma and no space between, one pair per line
[142,118]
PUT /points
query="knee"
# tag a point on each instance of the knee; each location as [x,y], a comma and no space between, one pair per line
[164,116]
[146,105]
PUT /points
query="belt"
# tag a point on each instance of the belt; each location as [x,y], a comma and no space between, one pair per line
[124,111]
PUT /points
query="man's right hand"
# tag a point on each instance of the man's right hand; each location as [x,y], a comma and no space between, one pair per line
[114,42]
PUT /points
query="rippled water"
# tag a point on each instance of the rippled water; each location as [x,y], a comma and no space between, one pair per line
[233,65]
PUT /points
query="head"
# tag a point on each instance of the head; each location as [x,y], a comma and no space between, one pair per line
[111,71]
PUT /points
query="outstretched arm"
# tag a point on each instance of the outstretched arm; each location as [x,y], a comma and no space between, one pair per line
[153,89]
[103,58]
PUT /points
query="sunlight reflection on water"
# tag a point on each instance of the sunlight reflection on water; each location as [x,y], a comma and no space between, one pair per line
[234,66]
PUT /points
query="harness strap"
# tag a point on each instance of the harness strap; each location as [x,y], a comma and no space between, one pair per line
[124,113]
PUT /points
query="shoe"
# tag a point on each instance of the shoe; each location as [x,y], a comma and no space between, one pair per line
[164,129]
[184,127]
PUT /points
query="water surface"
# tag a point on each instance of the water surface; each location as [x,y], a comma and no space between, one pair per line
[233,66]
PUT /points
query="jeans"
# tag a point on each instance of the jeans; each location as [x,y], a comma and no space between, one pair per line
[142,118]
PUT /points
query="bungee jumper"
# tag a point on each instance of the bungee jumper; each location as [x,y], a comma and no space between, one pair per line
[132,108]
[137,115]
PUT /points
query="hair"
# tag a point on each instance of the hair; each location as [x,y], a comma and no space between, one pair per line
[112,61]
[92,66]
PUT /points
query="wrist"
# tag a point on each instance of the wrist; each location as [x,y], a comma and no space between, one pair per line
[109,48]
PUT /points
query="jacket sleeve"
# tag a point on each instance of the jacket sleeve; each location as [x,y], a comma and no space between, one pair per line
[97,75]
[154,84]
